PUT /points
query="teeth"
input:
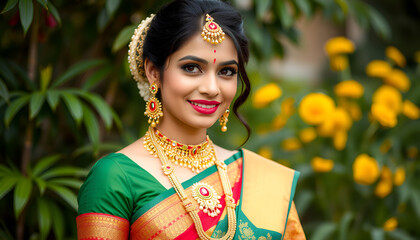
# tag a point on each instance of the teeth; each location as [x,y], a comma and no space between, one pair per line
[202,105]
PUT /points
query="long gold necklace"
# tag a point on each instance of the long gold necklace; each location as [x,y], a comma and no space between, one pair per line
[195,157]
[168,170]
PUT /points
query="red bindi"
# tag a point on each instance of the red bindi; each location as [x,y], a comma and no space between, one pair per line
[215,51]
[214,61]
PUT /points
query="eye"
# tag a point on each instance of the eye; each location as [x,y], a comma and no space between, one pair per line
[228,71]
[191,68]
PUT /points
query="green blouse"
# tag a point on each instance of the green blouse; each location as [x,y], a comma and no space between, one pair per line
[120,186]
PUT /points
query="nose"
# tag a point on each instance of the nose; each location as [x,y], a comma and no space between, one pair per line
[209,85]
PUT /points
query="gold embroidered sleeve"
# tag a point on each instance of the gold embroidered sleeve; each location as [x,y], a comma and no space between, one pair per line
[101,226]
[294,230]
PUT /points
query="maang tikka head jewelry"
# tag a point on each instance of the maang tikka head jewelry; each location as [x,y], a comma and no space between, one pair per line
[153,107]
[212,32]
[224,119]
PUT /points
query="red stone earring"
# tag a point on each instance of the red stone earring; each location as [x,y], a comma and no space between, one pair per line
[153,107]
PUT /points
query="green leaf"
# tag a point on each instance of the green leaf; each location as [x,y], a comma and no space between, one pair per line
[285,18]
[4,92]
[58,223]
[345,226]
[63,171]
[53,96]
[262,7]
[74,106]
[14,107]
[305,7]
[7,183]
[415,201]
[45,163]
[97,77]
[379,23]
[43,3]
[5,171]
[9,5]
[22,193]
[323,231]
[35,104]
[54,12]
[400,235]
[101,106]
[102,20]
[92,125]
[7,74]
[123,38]
[117,119]
[44,218]
[111,6]
[23,74]
[77,69]
[26,12]
[42,185]
[46,74]
[69,182]
[67,195]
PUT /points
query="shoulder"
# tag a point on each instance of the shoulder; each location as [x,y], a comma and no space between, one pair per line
[223,153]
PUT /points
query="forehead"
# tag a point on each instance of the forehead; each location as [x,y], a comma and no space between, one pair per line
[197,46]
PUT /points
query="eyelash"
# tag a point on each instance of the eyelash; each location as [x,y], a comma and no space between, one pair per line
[186,66]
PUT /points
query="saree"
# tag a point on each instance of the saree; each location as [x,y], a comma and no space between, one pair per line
[262,189]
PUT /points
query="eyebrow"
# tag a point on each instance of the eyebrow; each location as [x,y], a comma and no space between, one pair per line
[194,58]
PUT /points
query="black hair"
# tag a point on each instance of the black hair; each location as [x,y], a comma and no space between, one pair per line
[179,20]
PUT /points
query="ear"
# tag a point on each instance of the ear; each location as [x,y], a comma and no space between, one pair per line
[152,72]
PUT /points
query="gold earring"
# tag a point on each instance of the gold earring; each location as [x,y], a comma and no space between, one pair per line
[224,119]
[153,107]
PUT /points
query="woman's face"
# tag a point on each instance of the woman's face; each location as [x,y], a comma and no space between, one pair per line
[199,83]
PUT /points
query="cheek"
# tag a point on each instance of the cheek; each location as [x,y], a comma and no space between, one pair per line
[230,90]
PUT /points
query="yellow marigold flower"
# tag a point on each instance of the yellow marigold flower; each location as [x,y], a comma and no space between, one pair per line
[266,94]
[383,188]
[287,106]
[279,121]
[417,56]
[339,120]
[291,144]
[266,152]
[322,165]
[385,146]
[378,68]
[307,135]
[349,88]
[395,55]
[365,169]
[399,176]
[315,108]
[398,79]
[412,152]
[386,174]
[339,45]
[391,224]
[389,97]
[410,110]
[340,140]
[339,63]
[383,115]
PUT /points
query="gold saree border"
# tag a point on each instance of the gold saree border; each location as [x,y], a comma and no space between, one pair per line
[259,197]
[169,217]
[101,226]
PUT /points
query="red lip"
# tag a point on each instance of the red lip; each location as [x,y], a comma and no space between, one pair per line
[202,109]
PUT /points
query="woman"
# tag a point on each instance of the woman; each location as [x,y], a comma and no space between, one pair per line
[186,61]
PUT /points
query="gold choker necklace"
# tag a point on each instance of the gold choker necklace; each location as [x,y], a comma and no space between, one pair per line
[195,157]
[201,190]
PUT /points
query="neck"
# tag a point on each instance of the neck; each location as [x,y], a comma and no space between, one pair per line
[182,134]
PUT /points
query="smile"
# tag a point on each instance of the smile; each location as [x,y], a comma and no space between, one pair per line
[204,106]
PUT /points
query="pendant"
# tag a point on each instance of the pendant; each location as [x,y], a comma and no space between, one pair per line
[207,198]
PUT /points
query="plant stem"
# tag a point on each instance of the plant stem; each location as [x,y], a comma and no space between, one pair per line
[33,46]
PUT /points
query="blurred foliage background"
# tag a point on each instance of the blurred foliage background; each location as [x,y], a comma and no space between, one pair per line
[67,98]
